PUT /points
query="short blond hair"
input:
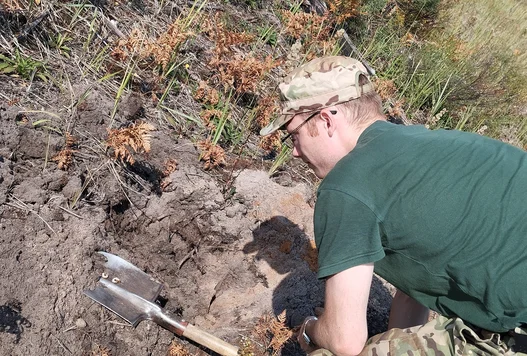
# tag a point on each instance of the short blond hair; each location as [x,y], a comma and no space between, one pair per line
[363,110]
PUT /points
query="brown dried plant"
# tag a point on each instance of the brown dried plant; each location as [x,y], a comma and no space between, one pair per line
[224,39]
[206,94]
[271,142]
[65,156]
[101,351]
[136,137]
[267,107]
[170,167]
[385,88]
[272,332]
[212,154]
[159,50]
[341,10]
[208,115]
[243,73]
[176,349]
[239,71]
[313,30]
[305,25]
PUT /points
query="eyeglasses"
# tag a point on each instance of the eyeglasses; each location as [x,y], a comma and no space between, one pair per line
[333,112]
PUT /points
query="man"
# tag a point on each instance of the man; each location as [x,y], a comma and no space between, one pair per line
[442,215]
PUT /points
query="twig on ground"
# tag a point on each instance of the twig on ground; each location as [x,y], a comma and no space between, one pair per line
[112,26]
[62,345]
[70,212]
[118,323]
[24,206]
[188,255]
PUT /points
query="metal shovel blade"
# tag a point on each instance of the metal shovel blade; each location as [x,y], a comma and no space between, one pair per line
[129,306]
[131,278]
[127,297]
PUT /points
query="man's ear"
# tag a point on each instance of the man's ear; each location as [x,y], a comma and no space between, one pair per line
[330,122]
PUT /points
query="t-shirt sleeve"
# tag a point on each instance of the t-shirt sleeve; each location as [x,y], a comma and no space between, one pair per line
[347,233]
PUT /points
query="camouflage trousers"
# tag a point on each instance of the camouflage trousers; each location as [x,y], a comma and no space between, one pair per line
[441,336]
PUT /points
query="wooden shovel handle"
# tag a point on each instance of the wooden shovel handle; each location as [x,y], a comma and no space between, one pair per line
[196,334]
[212,342]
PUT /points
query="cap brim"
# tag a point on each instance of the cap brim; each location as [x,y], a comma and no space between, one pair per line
[276,124]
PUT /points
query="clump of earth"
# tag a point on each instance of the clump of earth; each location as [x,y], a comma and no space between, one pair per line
[229,245]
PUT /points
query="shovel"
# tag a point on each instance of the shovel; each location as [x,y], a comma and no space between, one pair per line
[130,293]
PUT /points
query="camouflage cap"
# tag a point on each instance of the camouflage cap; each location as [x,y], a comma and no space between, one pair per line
[318,84]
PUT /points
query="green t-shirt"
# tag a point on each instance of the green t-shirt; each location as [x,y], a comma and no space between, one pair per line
[443,214]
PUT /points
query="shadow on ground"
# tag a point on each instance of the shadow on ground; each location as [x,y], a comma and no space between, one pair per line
[285,247]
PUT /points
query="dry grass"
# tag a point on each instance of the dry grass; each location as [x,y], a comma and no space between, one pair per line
[13,5]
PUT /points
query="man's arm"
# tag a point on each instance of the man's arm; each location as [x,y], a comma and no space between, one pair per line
[342,327]
[406,312]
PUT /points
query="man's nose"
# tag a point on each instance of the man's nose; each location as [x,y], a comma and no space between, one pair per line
[296,154]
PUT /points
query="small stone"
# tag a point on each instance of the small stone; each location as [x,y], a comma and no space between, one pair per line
[80,323]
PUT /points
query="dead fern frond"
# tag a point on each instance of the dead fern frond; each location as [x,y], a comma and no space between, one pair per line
[101,351]
[65,156]
[239,71]
[386,88]
[170,167]
[273,332]
[136,137]
[159,51]
[206,94]
[341,10]
[267,107]
[243,73]
[213,155]
[307,26]
[313,30]
[271,142]
[208,115]
[176,349]
[224,39]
